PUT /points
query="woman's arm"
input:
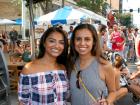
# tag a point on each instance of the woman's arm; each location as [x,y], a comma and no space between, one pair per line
[24,88]
[110,82]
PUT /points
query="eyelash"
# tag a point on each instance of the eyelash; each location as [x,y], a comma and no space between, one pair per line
[86,39]
[52,41]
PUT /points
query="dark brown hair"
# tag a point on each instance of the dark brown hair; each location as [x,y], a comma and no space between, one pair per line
[63,57]
[118,61]
[96,49]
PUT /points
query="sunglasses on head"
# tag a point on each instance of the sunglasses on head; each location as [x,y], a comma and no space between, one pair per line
[77,81]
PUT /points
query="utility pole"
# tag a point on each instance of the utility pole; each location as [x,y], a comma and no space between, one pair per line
[110,3]
[23,19]
[32,29]
[63,3]
[120,6]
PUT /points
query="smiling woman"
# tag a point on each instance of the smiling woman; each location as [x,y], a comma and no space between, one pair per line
[90,74]
[47,73]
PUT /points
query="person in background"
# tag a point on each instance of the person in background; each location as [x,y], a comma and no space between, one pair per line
[109,44]
[119,70]
[43,81]
[118,40]
[70,32]
[13,35]
[5,38]
[126,47]
[2,42]
[26,56]
[137,49]
[131,41]
[103,37]
[87,66]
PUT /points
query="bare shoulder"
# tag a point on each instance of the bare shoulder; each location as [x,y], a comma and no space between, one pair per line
[107,67]
[29,67]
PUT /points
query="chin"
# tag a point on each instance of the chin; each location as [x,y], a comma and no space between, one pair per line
[83,54]
[55,55]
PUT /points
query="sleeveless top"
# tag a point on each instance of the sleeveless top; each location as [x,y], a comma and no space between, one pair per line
[118,39]
[44,88]
[92,81]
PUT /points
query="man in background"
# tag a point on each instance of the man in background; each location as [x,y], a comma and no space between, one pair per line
[13,35]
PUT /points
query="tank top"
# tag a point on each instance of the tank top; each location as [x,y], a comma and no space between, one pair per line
[92,81]
[118,39]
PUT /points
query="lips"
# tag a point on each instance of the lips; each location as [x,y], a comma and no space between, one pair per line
[82,48]
[55,50]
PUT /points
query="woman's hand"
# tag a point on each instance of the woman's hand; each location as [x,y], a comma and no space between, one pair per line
[103,101]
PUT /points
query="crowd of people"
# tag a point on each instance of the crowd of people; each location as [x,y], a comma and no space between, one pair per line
[16,49]
[71,66]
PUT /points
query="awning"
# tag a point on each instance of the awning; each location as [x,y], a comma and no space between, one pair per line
[66,15]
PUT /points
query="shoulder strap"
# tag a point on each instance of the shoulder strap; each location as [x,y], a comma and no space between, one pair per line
[85,88]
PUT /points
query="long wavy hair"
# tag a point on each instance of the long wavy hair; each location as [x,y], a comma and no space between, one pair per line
[61,59]
[96,49]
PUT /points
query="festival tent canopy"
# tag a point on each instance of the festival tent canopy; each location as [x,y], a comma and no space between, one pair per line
[6,22]
[94,16]
[65,15]
[18,21]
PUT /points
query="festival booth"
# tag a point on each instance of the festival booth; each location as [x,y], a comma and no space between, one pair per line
[6,22]
[65,15]
[94,16]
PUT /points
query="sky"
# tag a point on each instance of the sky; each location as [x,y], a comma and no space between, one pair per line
[133,4]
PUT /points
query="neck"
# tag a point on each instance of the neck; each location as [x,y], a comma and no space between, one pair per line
[82,58]
[49,59]
[85,59]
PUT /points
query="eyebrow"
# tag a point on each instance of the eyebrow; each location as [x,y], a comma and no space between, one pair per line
[55,39]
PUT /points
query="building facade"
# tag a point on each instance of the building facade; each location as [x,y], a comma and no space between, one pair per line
[114,4]
[9,10]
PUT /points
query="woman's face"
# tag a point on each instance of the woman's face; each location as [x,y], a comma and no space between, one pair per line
[54,44]
[83,42]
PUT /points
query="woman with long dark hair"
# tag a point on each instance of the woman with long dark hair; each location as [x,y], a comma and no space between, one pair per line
[43,81]
[92,77]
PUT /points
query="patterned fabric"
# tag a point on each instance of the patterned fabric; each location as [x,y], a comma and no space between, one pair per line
[45,88]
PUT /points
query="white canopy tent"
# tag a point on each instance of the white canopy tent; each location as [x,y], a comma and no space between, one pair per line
[94,16]
[6,21]
[65,15]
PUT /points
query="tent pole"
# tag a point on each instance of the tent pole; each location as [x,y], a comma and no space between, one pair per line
[5,27]
[32,30]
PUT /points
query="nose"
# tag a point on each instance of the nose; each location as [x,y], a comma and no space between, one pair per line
[57,44]
[82,42]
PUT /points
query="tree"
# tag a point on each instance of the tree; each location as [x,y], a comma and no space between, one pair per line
[46,5]
[105,7]
[124,19]
[93,5]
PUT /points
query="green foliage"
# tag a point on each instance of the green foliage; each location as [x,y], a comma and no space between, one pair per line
[93,5]
[125,19]
[34,1]
[105,6]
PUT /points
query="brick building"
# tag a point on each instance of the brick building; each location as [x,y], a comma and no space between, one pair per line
[9,10]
